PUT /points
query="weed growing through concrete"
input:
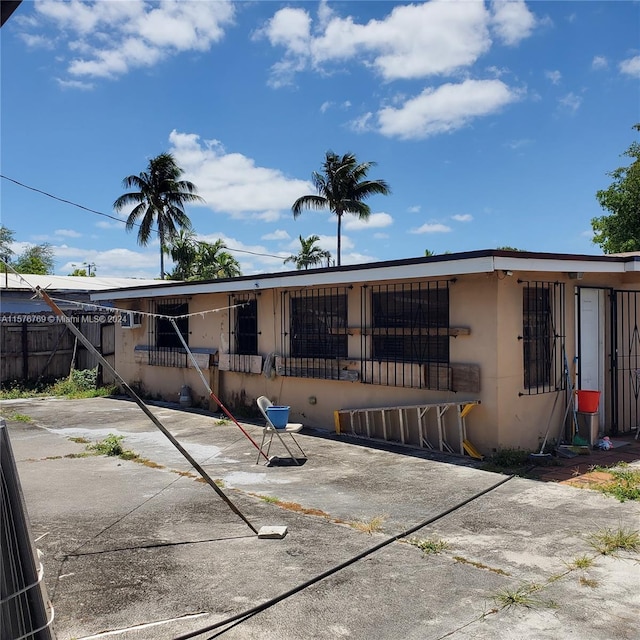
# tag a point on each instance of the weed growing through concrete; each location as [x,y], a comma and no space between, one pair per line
[581,562]
[20,417]
[523,596]
[80,440]
[480,565]
[610,541]
[270,499]
[223,422]
[369,526]
[110,446]
[429,545]
[588,582]
[624,485]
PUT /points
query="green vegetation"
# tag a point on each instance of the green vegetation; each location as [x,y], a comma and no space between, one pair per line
[609,541]
[523,596]
[158,200]
[508,460]
[19,417]
[625,482]
[110,446]
[82,383]
[429,545]
[620,230]
[38,259]
[341,188]
[310,254]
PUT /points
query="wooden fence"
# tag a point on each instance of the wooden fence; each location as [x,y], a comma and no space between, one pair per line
[32,350]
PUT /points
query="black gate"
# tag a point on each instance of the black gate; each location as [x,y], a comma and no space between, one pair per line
[625,366]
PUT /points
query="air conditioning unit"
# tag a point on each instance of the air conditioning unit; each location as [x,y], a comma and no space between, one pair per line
[130,320]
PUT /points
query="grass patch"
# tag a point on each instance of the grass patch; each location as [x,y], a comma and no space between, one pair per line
[429,545]
[581,562]
[81,383]
[222,422]
[609,541]
[368,526]
[523,596]
[480,565]
[110,446]
[79,440]
[270,499]
[19,417]
[588,582]
[624,485]
[503,460]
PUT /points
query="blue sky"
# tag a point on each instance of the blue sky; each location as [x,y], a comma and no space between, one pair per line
[494,123]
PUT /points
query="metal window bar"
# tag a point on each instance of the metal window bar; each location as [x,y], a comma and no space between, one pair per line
[314,332]
[407,344]
[243,324]
[543,336]
[167,350]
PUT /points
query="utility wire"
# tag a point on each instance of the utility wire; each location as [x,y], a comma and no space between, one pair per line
[106,215]
[245,615]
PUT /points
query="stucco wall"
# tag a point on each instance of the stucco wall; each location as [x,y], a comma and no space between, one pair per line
[489,304]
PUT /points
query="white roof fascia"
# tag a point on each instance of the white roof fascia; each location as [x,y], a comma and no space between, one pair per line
[445,268]
[331,277]
[559,266]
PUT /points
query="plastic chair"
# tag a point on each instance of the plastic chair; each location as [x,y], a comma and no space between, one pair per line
[270,430]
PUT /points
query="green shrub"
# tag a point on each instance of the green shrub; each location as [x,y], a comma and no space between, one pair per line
[110,446]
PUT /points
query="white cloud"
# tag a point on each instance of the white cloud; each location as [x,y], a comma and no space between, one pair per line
[512,21]
[75,84]
[325,105]
[414,209]
[631,67]
[231,182]
[599,62]
[447,108]
[67,233]
[412,41]
[278,234]
[122,263]
[553,76]
[362,123]
[376,220]
[518,144]
[432,227]
[571,102]
[108,39]
[107,224]
[463,217]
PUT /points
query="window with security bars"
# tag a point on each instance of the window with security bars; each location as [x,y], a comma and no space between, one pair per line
[167,349]
[543,321]
[314,324]
[243,325]
[408,342]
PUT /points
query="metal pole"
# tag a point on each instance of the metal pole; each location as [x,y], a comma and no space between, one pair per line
[87,343]
[208,388]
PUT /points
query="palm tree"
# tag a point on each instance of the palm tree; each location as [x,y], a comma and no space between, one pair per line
[228,266]
[183,250]
[159,197]
[341,189]
[309,255]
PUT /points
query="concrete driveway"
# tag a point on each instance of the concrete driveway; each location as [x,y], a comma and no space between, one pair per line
[146,551]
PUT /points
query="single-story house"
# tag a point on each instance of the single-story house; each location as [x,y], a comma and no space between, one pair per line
[482,346]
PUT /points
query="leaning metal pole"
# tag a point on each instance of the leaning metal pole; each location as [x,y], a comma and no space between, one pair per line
[134,396]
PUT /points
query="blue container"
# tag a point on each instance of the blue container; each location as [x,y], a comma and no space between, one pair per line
[279,416]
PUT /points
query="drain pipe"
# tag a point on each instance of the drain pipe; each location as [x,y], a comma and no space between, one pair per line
[132,394]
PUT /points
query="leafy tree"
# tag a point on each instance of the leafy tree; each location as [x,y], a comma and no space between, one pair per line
[507,248]
[197,260]
[428,253]
[310,254]
[36,259]
[159,198]
[6,252]
[620,231]
[341,188]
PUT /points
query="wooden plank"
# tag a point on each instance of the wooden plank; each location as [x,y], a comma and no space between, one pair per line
[400,331]
[465,377]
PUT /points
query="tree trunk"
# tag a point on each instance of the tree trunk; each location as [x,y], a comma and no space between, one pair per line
[339,237]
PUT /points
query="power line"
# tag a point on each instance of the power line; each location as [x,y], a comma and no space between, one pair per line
[106,215]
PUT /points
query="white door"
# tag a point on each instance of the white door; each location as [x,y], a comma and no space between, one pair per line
[591,347]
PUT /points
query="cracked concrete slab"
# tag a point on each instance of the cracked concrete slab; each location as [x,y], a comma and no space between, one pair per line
[150,552]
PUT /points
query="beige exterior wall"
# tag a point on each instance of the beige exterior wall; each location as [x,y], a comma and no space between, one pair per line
[489,304]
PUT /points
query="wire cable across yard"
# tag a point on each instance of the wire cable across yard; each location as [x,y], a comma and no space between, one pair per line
[249,613]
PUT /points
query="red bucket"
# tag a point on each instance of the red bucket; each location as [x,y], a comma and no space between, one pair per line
[588,401]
